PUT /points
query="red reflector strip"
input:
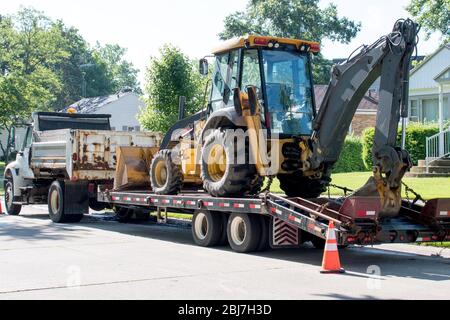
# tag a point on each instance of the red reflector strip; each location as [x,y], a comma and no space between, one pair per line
[224,204]
[177,202]
[127,198]
[209,204]
[239,205]
[275,210]
[292,218]
[166,201]
[254,206]
[154,200]
[115,198]
[190,203]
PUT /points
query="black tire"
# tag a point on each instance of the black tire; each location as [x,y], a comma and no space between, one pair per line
[296,185]
[256,185]
[318,243]
[11,208]
[244,232]
[227,179]
[97,206]
[223,236]
[142,215]
[123,214]
[263,244]
[165,176]
[56,205]
[207,228]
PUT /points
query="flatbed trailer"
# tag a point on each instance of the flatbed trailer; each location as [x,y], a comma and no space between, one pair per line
[292,221]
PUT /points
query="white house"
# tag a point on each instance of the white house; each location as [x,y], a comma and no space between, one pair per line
[123,108]
[429,89]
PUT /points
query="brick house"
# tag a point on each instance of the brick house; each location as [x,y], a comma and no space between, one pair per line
[366,114]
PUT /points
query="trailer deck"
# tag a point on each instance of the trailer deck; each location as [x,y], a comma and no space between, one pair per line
[355,218]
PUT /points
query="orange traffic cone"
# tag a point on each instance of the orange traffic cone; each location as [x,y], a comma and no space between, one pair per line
[331,262]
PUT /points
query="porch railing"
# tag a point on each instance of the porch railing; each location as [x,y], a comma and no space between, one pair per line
[437,147]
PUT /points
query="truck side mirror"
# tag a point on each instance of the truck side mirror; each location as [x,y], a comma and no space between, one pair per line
[181,107]
[203,67]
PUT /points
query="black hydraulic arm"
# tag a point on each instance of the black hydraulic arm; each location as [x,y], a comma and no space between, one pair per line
[388,58]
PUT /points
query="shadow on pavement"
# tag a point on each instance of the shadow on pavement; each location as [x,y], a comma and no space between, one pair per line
[358,261]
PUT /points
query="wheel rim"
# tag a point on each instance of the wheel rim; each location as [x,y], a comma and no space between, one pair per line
[9,196]
[161,173]
[54,201]
[217,160]
[201,226]
[238,230]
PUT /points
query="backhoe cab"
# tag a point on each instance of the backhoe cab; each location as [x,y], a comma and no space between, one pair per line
[257,123]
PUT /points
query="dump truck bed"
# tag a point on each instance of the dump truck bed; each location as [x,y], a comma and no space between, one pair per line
[83,154]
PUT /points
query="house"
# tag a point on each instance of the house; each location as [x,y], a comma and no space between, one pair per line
[366,114]
[429,88]
[123,108]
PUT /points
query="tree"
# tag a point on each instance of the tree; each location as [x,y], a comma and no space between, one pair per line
[26,81]
[433,15]
[121,72]
[300,19]
[167,78]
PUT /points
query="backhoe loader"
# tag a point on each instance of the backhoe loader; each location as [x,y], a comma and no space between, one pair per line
[261,121]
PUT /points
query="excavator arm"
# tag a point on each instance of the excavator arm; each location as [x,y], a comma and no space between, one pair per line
[388,58]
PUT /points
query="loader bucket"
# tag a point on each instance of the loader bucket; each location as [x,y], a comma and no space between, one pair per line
[132,169]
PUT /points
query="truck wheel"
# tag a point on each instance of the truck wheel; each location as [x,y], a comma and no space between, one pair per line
[165,176]
[56,204]
[206,228]
[295,185]
[244,232]
[221,175]
[11,208]
[123,214]
[263,244]
[96,206]
[318,243]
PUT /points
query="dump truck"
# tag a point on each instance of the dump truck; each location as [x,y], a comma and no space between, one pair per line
[261,124]
[64,157]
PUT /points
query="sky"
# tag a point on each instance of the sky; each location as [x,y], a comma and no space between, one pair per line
[143,26]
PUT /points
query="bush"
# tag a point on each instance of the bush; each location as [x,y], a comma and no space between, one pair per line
[416,134]
[350,159]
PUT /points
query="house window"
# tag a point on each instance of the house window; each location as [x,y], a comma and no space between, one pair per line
[430,110]
[113,128]
[137,128]
[124,128]
[414,111]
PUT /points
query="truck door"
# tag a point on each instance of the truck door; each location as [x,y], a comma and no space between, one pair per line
[24,156]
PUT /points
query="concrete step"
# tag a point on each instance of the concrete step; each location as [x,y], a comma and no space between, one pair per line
[427,175]
[431,169]
[438,163]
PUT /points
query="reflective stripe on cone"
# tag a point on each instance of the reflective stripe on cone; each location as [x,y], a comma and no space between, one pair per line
[331,262]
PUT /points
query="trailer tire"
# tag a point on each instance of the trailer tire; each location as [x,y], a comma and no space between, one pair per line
[244,232]
[56,204]
[296,185]
[165,176]
[123,215]
[318,243]
[207,228]
[11,208]
[263,244]
[222,176]
[95,205]
[223,236]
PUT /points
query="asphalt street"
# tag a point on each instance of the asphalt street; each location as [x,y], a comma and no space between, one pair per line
[100,258]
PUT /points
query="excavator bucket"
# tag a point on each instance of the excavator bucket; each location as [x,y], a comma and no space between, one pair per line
[133,166]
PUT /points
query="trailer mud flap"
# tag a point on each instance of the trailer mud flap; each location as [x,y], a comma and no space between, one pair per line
[283,234]
[76,198]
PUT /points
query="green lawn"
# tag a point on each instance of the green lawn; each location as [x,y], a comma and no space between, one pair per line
[429,188]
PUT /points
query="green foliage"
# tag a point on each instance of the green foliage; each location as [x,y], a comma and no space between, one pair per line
[300,19]
[350,159]
[433,15]
[416,134]
[168,77]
